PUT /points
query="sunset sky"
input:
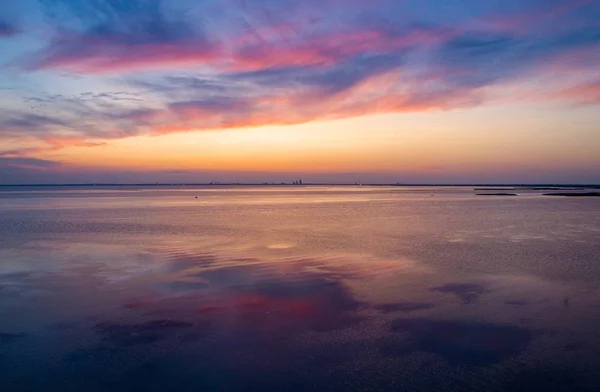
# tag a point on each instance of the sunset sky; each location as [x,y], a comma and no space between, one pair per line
[411,91]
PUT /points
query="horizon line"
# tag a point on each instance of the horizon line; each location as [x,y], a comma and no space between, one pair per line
[300,185]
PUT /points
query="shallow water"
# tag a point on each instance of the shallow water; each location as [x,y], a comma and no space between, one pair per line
[298,288]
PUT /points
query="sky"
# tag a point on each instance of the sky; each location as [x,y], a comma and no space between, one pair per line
[408,91]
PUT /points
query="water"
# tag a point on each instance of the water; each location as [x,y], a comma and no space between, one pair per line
[298,288]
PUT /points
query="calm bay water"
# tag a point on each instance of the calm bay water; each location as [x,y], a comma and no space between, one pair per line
[299,288]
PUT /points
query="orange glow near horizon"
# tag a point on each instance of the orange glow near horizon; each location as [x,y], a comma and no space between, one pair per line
[417,142]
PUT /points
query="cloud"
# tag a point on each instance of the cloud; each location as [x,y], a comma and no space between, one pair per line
[7,30]
[329,48]
[105,50]
[110,51]
[51,122]
[27,163]
[585,93]
[548,15]
[34,122]
[15,169]
[123,36]
[270,62]
[344,95]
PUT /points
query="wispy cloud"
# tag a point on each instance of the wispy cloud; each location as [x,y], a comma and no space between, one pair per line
[59,121]
[587,93]
[187,66]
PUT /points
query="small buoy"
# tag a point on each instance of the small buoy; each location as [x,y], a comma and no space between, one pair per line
[566,301]
[196,197]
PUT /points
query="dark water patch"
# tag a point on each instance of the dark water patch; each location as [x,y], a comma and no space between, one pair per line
[128,335]
[93,355]
[548,379]
[175,375]
[236,362]
[515,302]
[493,189]
[405,307]
[574,194]
[156,375]
[496,194]
[460,343]
[61,326]
[467,292]
[8,337]
[550,188]
[192,336]
[573,346]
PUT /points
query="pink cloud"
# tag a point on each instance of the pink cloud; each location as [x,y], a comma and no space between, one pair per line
[95,54]
[329,49]
[584,93]
[374,95]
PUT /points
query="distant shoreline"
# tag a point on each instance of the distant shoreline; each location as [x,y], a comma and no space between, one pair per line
[488,187]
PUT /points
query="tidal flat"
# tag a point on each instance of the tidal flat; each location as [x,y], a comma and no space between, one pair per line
[297,288]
